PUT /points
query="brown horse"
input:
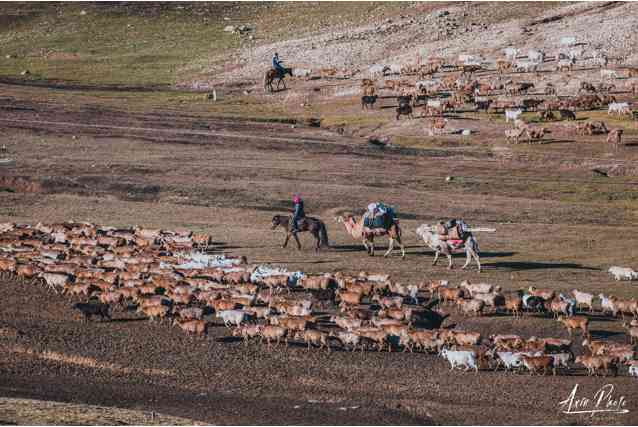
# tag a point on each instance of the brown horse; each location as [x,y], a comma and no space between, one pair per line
[316,227]
[273,74]
[356,229]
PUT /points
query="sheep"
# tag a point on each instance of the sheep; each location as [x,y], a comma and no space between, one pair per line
[595,363]
[536,363]
[608,74]
[313,336]
[196,327]
[346,323]
[608,304]
[89,310]
[54,280]
[347,338]
[404,109]
[618,108]
[514,134]
[276,333]
[512,114]
[477,288]
[155,312]
[377,336]
[509,360]
[450,294]
[525,66]
[513,305]
[461,338]
[575,322]
[460,358]
[567,114]
[473,306]
[632,332]
[388,302]
[247,332]
[190,313]
[535,134]
[536,56]
[511,53]
[583,298]
[367,102]
[348,299]
[614,137]
[623,273]
[565,65]
[232,317]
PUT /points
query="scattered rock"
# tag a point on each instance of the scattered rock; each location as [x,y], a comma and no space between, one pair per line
[230,29]
[449,178]
[442,13]
[25,72]
[379,141]
[83,12]
[313,122]
[9,56]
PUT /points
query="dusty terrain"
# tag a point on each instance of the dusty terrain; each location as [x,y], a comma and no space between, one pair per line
[159,158]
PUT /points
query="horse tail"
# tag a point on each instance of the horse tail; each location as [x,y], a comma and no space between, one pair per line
[323,235]
[266,80]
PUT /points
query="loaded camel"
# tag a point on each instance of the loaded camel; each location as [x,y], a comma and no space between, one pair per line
[355,228]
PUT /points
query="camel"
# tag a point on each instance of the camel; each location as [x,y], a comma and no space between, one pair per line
[356,229]
[431,238]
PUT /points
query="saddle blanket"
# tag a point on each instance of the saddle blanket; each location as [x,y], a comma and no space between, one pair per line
[382,221]
[456,243]
[375,231]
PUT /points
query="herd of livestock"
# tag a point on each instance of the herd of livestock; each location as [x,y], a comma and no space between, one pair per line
[168,276]
[515,83]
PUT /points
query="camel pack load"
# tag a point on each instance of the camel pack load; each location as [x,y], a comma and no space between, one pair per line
[454,229]
[384,220]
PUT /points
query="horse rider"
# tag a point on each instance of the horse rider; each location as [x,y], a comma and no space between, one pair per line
[298,212]
[277,65]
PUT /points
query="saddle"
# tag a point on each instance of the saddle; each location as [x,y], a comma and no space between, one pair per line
[278,73]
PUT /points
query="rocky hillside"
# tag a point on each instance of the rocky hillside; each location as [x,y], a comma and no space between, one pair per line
[420,30]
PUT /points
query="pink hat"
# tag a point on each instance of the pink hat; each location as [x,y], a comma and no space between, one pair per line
[296,198]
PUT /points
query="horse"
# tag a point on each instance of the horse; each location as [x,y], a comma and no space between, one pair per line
[357,230]
[314,225]
[273,74]
[431,238]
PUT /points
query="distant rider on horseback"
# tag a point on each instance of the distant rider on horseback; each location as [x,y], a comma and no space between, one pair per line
[298,211]
[277,65]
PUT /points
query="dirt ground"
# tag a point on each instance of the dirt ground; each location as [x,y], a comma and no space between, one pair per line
[558,225]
